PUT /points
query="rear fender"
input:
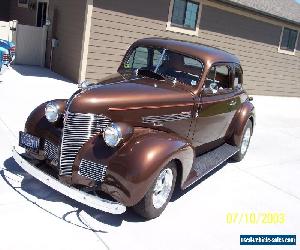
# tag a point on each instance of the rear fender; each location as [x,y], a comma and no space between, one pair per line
[246,112]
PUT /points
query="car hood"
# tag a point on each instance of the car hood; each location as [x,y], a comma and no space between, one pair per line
[142,93]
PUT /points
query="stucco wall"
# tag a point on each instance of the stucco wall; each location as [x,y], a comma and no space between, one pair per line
[67,19]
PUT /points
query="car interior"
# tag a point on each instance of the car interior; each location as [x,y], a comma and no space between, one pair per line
[218,80]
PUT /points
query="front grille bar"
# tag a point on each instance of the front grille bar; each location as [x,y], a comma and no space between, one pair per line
[78,129]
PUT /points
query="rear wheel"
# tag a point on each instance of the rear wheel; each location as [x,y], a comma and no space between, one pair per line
[159,194]
[247,133]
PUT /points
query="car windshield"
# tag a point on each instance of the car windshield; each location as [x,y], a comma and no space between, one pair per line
[166,63]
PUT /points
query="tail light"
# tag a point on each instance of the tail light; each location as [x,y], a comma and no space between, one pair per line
[12,49]
[5,57]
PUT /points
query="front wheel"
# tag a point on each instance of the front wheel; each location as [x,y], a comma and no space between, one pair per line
[159,194]
[247,133]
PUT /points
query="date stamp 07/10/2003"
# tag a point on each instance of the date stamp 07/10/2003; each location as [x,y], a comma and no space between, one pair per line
[255,218]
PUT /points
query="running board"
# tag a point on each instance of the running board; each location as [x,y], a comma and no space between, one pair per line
[212,159]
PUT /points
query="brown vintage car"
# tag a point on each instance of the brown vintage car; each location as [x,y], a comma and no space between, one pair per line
[173,112]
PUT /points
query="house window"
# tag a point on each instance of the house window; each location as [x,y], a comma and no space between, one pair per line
[288,40]
[23,3]
[185,14]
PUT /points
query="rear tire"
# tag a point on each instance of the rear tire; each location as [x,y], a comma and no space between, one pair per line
[246,138]
[158,196]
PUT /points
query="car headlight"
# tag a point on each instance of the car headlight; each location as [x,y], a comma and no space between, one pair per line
[52,112]
[112,135]
[116,133]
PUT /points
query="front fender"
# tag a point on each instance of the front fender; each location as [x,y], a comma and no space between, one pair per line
[132,168]
[39,126]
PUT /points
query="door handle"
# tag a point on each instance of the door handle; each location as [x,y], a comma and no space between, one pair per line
[232,103]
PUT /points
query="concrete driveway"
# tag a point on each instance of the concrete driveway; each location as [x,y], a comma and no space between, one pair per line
[33,216]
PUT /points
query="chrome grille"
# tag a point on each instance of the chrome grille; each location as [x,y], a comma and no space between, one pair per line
[92,170]
[51,152]
[78,129]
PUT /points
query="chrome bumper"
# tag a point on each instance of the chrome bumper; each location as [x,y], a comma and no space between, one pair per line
[75,194]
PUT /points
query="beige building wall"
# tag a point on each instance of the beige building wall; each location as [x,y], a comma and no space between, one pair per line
[67,26]
[253,38]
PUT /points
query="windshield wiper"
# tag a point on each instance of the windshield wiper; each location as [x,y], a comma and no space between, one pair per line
[160,60]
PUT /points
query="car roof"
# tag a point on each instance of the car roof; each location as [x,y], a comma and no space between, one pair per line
[209,55]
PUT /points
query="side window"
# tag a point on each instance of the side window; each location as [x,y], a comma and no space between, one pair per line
[192,62]
[218,80]
[238,77]
[138,58]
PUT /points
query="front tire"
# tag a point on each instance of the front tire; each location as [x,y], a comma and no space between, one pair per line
[159,194]
[247,133]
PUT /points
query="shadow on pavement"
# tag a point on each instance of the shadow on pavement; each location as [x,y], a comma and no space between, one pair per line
[178,192]
[29,186]
[37,71]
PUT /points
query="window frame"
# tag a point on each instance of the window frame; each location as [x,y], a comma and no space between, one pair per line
[23,5]
[236,66]
[180,28]
[286,51]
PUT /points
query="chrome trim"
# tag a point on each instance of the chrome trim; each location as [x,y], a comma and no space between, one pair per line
[51,152]
[56,106]
[245,141]
[78,129]
[120,136]
[162,188]
[75,194]
[167,118]
[92,170]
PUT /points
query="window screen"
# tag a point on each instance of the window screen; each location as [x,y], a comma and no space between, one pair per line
[185,14]
[288,40]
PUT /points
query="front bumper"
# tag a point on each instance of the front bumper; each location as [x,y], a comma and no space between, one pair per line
[75,194]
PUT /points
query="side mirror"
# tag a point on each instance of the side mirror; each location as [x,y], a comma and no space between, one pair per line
[84,84]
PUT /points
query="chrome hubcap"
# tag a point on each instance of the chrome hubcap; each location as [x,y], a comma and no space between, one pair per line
[162,188]
[246,140]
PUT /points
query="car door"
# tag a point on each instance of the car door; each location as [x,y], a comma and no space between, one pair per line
[216,105]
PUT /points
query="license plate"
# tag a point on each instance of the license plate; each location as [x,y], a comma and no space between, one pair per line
[29,141]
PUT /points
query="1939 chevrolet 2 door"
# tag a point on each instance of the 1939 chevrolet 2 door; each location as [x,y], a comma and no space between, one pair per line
[173,112]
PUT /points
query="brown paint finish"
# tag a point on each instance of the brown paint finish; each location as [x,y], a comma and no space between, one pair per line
[160,122]
[133,166]
[39,126]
